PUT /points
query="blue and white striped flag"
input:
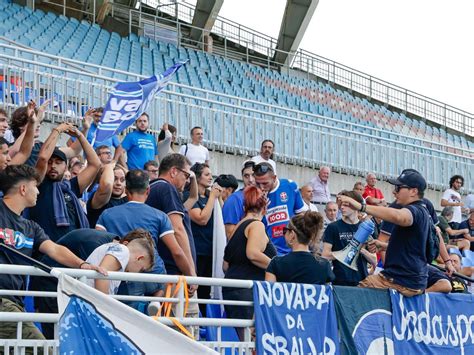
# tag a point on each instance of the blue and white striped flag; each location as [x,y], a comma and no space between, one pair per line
[127,102]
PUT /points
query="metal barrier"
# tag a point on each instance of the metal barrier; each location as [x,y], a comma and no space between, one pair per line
[302,60]
[301,138]
[241,347]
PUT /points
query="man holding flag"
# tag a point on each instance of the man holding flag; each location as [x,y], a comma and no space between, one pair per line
[19,186]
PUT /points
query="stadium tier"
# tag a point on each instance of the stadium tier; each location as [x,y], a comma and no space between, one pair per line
[259,88]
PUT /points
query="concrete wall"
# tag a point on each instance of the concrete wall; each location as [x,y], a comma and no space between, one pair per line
[222,163]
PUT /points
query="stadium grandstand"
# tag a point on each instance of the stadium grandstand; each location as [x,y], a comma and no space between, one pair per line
[241,87]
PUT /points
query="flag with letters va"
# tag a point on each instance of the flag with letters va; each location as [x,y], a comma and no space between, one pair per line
[433,323]
[294,319]
[92,322]
[127,102]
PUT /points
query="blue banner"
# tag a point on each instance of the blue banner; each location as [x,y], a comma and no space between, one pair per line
[127,102]
[295,319]
[433,323]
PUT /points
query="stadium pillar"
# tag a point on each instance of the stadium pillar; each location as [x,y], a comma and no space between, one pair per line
[298,14]
[205,15]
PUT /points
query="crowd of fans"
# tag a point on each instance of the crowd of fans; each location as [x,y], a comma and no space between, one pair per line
[138,205]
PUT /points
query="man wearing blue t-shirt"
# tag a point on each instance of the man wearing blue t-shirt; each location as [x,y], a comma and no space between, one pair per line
[284,201]
[123,219]
[405,268]
[233,209]
[139,145]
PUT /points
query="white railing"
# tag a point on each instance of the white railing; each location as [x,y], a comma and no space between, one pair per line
[300,138]
[334,72]
[246,346]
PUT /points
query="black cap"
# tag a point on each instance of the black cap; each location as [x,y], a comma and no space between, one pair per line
[59,154]
[410,178]
[227,180]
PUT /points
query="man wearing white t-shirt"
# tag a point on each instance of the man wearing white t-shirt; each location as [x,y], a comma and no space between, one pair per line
[266,154]
[452,197]
[195,151]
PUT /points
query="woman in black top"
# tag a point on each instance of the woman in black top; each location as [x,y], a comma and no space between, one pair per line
[300,265]
[247,253]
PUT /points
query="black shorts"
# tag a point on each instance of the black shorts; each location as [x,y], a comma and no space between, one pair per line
[434,275]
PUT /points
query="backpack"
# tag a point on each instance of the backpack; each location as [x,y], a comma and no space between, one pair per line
[432,243]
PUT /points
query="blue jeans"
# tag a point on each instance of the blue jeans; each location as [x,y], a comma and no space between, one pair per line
[136,288]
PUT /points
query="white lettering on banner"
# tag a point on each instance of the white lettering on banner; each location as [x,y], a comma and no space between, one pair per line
[121,110]
[278,345]
[297,296]
[422,327]
[277,214]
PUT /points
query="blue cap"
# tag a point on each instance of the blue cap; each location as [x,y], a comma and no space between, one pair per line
[410,178]
[455,251]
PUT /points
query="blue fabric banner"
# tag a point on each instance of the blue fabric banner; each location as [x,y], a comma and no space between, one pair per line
[433,323]
[127,101]
[295,319]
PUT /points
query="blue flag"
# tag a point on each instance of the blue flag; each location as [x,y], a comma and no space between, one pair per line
[128,101]
[295,319]
[92,322]
[433,323]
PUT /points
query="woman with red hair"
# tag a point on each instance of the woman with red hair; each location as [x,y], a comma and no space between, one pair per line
[248,253]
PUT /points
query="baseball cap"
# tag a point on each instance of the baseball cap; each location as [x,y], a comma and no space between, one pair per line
[59,154]
[410,178]
[455,251]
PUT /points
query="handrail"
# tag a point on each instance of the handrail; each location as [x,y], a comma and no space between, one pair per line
[306,60]
[78,65]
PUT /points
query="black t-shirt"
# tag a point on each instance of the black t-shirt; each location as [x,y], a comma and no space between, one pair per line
[81,242]
[203,234]
[33,159]
[43,212]
[405,259]
[338,234]
[235,253]
[25,236]
[301,267]
[165,197]
[94,214]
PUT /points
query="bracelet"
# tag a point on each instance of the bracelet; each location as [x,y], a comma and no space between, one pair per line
[57,130]
[84,262]
[363,207]
[445,261]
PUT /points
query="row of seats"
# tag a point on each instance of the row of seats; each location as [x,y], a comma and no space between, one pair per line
[82,41]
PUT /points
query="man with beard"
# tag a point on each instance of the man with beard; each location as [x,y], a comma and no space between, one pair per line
[266,154]
[58,210]
[139,145]
[110,193]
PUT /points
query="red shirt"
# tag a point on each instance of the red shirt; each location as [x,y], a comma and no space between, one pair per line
[372,192]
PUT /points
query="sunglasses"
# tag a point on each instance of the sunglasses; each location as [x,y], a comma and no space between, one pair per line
[399,187]
[262,169]
[186,174]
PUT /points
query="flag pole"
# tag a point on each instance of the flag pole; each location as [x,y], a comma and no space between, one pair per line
[461,276]
[30,260]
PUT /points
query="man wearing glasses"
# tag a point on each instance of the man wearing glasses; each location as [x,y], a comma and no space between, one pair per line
[151,168]
[452,197]
[104,153]
[405,268]
[284,201]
